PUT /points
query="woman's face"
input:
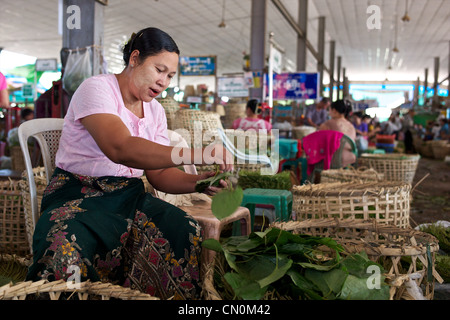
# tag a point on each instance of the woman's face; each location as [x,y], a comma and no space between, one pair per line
[153,75]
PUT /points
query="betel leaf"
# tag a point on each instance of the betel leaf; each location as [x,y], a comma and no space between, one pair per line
[355,288]
[226,202]
[213,181]
[245,288]
[330,282]
[212,244]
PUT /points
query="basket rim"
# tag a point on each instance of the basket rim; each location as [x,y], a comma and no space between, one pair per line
[392,156]
[353,188]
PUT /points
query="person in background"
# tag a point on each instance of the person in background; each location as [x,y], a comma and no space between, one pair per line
[96,217]
[408,129]
[252,121]
[362,132]
[338,112]
[26,114]
[318,113]
[444,132]
[435,130]
[4,95]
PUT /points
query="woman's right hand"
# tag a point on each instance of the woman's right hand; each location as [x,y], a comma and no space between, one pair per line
[218,154]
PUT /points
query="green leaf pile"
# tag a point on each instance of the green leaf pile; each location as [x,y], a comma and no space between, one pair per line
[293,266]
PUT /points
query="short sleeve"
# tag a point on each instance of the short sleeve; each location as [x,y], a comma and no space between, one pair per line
[95,95]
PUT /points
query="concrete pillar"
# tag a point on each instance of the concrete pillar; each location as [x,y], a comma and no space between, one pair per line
[321,51]
[302,47]
[258,44]
[436,75]
[82,28]
[332,59]
[338,80]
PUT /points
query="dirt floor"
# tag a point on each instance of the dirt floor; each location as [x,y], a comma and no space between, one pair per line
[431,197]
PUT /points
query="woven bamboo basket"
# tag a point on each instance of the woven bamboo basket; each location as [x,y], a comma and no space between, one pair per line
[17,160]
[350,175]
[302,131]
[440,149]
[386,202]
[41,184]
[205,122]
[13,235]
[64,290]
[233,111]
[394,167]
[426,150]
[407,255]
[171,106]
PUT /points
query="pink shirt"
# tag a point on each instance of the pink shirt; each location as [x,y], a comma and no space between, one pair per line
[3,83]
[79,153]
[251,123]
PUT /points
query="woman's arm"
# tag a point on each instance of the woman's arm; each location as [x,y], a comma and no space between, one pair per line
[116,142]
[163,179]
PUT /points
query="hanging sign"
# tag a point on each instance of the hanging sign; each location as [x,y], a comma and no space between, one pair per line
[198,66]
[232,87]
[27,91]
[295,86]
[46,65]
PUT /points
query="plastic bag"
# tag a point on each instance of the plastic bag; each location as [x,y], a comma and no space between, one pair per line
[78,68]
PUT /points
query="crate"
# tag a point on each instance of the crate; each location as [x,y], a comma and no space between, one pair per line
[407,255]
[13,233]
[386,202]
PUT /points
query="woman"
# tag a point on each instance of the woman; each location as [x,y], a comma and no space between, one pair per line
[96,220]
[252,121]
[339,111]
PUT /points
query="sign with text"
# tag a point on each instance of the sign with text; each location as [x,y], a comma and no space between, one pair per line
[198,66]
[295,86]
[232,87]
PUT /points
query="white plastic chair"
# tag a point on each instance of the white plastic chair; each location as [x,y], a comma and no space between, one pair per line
[47,132]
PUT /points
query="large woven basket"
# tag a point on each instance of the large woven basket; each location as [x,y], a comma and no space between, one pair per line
[171,106]
[41,184]
[440,149]
[302,131]
[233,110]
[193,120]
[17,160]
[350,175]
[386,202]
[13,235]
[407,255]
[64,290]
[395,167]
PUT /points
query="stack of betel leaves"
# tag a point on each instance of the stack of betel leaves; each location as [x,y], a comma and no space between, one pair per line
[276,264]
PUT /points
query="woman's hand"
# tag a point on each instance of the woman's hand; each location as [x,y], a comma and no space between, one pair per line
[218,154]
[211,191]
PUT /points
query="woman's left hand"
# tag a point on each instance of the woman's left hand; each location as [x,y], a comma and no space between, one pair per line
[211,191]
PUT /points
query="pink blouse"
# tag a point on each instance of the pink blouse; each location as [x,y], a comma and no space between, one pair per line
[79,153]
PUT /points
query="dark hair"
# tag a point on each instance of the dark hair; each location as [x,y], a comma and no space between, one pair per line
[325,100]
[341,106]
[149,42]
[253,105]
[25,112]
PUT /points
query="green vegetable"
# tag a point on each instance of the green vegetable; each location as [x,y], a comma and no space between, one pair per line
[226,202]
[214,181]
[279,263]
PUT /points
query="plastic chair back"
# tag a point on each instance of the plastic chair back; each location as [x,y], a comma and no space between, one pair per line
[47,132]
